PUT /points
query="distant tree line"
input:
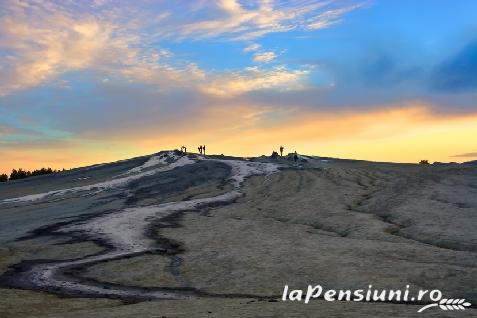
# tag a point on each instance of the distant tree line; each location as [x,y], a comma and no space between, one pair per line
[22,174]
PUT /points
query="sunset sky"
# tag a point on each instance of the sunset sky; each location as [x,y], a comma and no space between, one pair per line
[84,82]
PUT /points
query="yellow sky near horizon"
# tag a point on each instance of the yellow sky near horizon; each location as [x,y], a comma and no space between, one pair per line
[398,134]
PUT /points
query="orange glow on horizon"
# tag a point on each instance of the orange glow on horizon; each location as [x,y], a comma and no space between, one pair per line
[398,134]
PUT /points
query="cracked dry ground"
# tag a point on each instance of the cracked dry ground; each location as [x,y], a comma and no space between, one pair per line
[344,225]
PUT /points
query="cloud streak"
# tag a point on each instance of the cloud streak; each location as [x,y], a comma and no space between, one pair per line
[252,47]
[466,155]
[264,57]
[233,20]
[254,79]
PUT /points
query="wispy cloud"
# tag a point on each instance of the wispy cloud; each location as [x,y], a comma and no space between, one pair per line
[252,47]
[264,56]
[331,16]
[236,21]
[466,155]
[255,78]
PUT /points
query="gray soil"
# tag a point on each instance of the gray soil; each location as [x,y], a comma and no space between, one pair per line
[339,223]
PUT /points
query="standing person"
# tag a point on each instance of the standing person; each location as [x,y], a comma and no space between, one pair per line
[203,149]
[281,151]
[200,149]
[185,150]
[295,157]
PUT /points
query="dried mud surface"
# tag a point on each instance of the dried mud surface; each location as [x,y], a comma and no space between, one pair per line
[190,236]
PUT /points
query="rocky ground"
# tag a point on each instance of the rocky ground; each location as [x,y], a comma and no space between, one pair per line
[170,235]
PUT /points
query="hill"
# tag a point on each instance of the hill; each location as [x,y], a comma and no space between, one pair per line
[221,236]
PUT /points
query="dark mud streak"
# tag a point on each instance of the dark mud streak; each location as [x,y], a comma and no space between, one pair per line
[17,275]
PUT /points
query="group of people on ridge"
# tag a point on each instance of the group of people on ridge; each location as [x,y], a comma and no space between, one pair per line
[201,149]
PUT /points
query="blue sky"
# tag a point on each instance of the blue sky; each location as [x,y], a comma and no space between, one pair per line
[139,76]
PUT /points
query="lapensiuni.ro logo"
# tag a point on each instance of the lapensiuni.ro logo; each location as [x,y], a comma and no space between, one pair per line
[433,298]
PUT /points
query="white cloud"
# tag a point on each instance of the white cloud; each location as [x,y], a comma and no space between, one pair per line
[252,47]
[254,79]
[233,20]
[264,57]
[330,17]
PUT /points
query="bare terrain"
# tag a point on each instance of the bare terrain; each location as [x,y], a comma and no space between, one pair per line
[174,235]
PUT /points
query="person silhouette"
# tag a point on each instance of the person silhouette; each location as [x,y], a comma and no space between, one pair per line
[200,149]
[281,151]
[295,157]
[203,149]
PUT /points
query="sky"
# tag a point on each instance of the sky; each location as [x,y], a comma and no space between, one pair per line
[84,82]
